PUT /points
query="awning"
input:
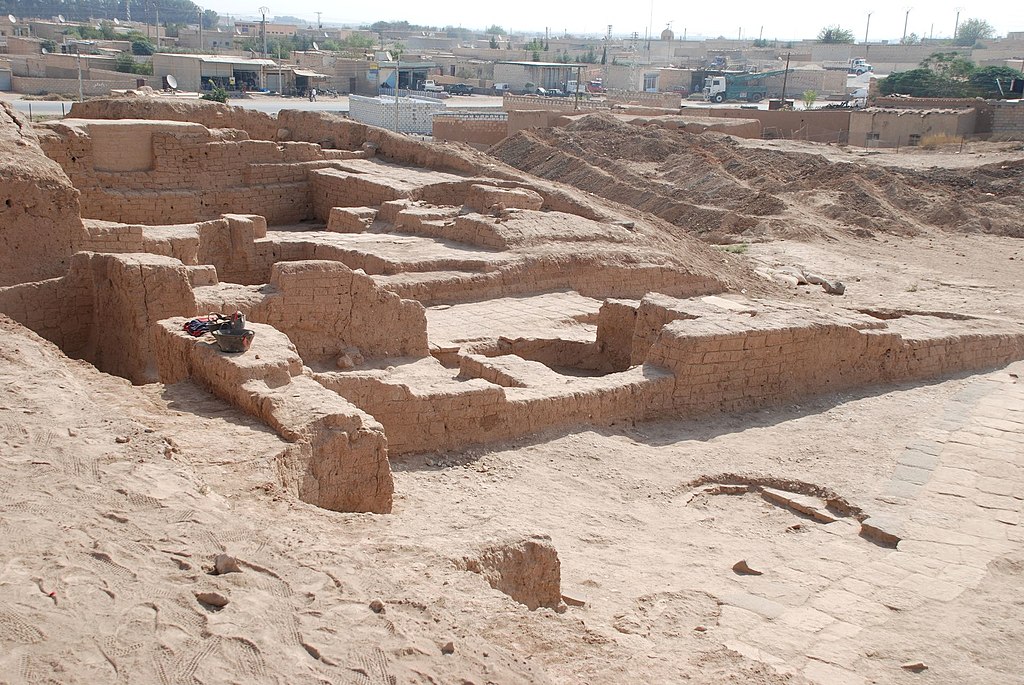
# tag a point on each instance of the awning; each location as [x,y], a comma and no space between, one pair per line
[309,74]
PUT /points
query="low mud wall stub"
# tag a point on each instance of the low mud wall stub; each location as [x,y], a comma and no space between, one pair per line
[326,308]
[339,459]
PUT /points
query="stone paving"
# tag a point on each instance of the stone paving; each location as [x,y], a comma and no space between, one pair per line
[952,506]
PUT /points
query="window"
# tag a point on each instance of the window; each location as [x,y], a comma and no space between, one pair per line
[915,139]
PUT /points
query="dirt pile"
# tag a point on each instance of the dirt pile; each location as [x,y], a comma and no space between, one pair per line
[725,190]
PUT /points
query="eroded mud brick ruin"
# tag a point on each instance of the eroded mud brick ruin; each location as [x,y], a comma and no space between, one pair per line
[406,299]
[409,297]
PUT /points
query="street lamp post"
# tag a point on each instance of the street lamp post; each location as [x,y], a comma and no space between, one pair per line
[263,27]
[906,19]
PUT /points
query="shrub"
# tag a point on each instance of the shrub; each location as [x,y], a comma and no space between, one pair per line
[217,94]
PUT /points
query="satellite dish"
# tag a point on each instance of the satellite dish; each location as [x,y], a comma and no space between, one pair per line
[11,18]
[45,51]
[171,81]
[315,46]
[61,19]
[238,32]
[117,21]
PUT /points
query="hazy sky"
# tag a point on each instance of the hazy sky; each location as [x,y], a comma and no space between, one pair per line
[784,20]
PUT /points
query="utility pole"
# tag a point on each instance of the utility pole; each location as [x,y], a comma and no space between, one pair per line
[956,25]
[78,54]
[867,28]
[200,29]
[128,10]
[906,18]
[319,24]
[263,29]
[157,6]
[785,80]
[398,78]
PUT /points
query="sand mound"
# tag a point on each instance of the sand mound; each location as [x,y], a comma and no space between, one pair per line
[724,190]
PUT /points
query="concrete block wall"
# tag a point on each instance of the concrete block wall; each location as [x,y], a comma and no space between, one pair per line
[533,102]
[69,86]
[414,116]
[1008,120]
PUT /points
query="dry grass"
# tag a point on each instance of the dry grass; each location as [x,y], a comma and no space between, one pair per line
[938,140]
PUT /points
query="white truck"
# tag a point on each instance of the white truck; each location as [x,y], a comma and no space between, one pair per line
[854,65]
[432,87]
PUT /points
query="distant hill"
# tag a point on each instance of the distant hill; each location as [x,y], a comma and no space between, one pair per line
[171,11]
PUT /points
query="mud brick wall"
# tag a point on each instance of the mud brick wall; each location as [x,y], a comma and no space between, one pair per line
[476,130]
[113,238]
[102,310]
[40,227]
[337,188]
[339,457]
[129,294]
[454,415]
[538,275]
[54,309]
[730,366]
[189,173]
[324,307]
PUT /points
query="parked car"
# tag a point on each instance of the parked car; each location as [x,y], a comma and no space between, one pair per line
[460,89]
[556,93]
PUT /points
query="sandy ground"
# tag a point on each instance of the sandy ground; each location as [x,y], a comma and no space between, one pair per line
[115,501]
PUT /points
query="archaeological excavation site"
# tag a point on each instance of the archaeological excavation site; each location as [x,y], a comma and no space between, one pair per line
[291,398]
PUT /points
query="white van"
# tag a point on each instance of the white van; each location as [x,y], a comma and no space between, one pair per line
[501,88]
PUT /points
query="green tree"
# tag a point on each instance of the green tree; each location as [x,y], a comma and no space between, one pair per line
[809,96]
[835,34]
[910,39]
[922,83]
[142,47]
[127,65]
[949,65]
[604,55]
[210,19]
[986,81]
[973,30]
[493,44]
[496,30]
